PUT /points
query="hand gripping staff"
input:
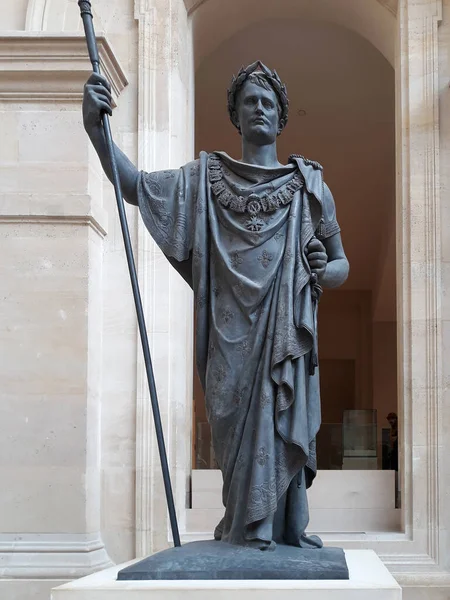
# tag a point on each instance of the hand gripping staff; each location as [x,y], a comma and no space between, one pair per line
[86,15]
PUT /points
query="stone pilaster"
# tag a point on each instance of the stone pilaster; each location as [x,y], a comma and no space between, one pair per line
[52,226]
[166,123]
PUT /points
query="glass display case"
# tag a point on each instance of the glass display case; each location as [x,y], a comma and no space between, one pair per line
[359,439]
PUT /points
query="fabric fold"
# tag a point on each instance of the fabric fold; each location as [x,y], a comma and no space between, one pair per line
[244,231]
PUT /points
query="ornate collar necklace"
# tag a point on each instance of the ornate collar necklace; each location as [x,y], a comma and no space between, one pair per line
[250,203]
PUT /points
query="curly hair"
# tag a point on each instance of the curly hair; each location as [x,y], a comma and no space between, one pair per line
[259,74]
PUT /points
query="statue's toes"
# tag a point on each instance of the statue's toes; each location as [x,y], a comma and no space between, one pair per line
[310,541]
[269,547]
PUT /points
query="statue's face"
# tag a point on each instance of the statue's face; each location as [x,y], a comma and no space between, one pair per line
[257,113]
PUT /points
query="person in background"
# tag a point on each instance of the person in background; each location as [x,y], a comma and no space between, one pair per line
[393,453]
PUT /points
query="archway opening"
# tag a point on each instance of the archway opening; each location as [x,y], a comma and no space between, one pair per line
[342,114]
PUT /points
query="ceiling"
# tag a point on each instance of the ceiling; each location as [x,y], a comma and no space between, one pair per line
[215,21]
[193,5]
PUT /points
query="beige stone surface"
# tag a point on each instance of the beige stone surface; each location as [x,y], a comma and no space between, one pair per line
[12,15]
[426,593]
[326,522]
[361,502]
[11,589]
[352,489]
[368,578]
[51,327]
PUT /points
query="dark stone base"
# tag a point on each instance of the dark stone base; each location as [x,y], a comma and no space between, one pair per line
[218,560]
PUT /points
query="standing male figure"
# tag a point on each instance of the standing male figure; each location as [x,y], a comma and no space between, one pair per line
[256,240]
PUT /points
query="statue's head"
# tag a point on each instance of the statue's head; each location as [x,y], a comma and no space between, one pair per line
[258,103]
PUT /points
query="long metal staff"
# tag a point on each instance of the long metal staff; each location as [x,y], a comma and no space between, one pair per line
[86,15]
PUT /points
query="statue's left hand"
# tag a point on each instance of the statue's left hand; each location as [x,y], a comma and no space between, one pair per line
[317,257]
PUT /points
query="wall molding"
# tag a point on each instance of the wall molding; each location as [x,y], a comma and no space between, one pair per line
[46,67]
[53,209]
[48,220]
[51,556]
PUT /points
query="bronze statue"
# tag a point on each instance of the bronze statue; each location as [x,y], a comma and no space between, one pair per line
[256,240]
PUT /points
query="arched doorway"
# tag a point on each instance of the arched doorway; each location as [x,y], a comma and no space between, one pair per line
[342,113]
[410,42]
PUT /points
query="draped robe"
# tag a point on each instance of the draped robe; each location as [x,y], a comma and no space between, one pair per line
[255,328]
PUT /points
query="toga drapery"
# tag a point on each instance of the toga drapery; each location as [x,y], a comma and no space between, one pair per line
[238,234]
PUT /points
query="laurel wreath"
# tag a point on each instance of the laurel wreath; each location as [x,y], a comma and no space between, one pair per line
[274,81]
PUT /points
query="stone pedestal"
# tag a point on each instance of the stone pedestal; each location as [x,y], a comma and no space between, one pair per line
[369,579]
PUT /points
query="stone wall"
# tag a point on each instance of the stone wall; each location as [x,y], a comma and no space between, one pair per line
[67,324]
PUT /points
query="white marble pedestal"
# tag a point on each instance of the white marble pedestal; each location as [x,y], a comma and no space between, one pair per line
[369,580]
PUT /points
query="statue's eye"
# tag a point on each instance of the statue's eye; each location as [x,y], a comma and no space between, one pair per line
[268,104]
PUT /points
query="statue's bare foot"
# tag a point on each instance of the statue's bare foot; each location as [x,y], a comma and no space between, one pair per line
[306,541]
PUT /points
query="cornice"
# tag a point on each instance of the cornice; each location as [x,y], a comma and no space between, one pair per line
[46,67]
[51,556]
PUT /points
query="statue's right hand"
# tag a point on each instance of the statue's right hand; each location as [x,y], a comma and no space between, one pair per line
[96,100]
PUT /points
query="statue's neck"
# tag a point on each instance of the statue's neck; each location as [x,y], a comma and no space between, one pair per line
[262,156]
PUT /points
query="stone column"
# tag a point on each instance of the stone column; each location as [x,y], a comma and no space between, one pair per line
[166,124]
[52,226]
